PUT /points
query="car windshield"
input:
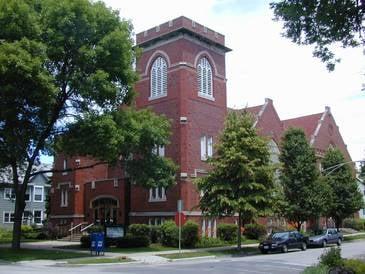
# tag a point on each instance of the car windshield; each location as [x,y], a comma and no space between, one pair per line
[279,236]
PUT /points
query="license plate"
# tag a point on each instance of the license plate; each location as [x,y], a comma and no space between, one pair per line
[266,247]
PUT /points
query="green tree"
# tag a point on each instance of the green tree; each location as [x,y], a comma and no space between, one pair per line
[241,178]
[299,178]
[322,24]
[60,61]
[347,198]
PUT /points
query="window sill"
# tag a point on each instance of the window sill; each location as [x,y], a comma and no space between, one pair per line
[205,96]
[63,205]
[157,200]
[151,98]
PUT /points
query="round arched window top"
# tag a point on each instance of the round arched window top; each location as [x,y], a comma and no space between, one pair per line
[158,78]
[205,78]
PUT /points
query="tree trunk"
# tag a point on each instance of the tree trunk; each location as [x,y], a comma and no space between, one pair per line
[18,216]
[239,242]
[299,225]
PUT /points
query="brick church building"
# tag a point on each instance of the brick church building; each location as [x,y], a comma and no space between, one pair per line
[183,76]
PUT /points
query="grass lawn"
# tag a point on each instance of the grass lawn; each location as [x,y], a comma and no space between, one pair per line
[350,238]
[100,260]
[8,254]
[151,248]
[233,252]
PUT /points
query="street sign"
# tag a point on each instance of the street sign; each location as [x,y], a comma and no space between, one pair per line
[179,216]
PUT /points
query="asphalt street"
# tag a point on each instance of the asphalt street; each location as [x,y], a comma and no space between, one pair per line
[291,262]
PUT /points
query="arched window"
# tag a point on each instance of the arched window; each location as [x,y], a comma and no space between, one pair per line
[159,78]
[205,78]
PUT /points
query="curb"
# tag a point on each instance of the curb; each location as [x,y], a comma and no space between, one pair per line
[193,258]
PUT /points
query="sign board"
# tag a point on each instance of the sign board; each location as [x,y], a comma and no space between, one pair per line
[114,231]
[182,217]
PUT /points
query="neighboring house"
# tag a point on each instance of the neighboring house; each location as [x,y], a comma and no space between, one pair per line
[183,76]
[36,197]
[361,184]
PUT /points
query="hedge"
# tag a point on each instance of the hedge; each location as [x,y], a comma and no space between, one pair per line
[227,232]
[139,230]
[133,241]
[255,231]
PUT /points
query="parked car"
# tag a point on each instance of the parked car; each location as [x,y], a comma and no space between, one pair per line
[283,241]
[325,237]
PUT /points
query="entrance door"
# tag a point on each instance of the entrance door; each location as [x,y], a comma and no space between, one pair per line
[105,211]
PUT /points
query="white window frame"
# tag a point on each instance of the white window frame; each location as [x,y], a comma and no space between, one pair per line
[158,78]
[34,194]
[157,194]
[206,147]
[64,197]
[29,219]
[9,218]
[156,221]
[205,78]
[159,151]
[64,167]
[37,210]
[11,193]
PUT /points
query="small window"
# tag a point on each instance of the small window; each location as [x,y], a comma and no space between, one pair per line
[8,217]
[205,77]
[9,194]
[159,150]
[38,194]
[27,218]
[157,194]
[64,167]
[158,78]
[206,147]
[27,195]
[64,197]
[156,221]
[37,217]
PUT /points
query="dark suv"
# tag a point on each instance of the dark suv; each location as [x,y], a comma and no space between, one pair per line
[283,241]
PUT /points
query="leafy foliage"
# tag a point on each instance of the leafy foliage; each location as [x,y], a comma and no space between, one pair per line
[133,241]
[347,198]
[227,232]
[305,196]
[189,234]
[139,230]
[332,257]
[255,231]
[169,234]
[322,24]
[241,179]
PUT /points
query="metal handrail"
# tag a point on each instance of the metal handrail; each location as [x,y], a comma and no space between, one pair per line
[76,226]
[86,227]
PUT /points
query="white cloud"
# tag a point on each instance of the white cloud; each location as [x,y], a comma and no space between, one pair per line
[264,64]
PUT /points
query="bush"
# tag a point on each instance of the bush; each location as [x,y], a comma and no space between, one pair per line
[85,241]
[95,229]
[357,224]
[210,242]
[139,230]
[111,241]
[317,269]
[155,233]
[189,234]
[332,258]
[169,234]
[255,231]
[26,229]
[5,235]
[227,232]
[355,265]
[133,241]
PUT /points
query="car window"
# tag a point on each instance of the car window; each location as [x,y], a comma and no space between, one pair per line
[280,235]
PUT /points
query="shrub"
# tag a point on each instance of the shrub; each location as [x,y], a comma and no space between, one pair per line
[227,232]
[133,241]
[169,234]
[95,229]
[85,241]
[5,234]
[49,230]
[189,234]
[155,233]
[139,230]
[355,265]
[111,241]
[210,242]
[356,224]
[317,269]
[255,231]
[332,258]
[26,229]
[42,236]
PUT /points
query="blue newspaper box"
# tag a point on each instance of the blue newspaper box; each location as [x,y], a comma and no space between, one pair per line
[97,243]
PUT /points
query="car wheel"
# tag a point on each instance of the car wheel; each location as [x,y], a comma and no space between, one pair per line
[304,246]
[324,243]
[339,241]
[284,249]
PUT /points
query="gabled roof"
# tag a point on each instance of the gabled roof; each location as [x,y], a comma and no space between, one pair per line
[308,123]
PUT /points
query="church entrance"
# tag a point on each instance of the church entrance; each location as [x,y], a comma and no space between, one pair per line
[105,210]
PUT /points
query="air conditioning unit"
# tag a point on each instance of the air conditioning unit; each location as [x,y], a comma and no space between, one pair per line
[183,120]
[77,187]
[183,175]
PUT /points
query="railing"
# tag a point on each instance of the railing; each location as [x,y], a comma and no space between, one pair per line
[86,227]
[73,228]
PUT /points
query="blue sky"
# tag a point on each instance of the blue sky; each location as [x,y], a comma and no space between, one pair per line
[264,64]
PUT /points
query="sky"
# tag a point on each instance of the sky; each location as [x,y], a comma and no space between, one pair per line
[263,64]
